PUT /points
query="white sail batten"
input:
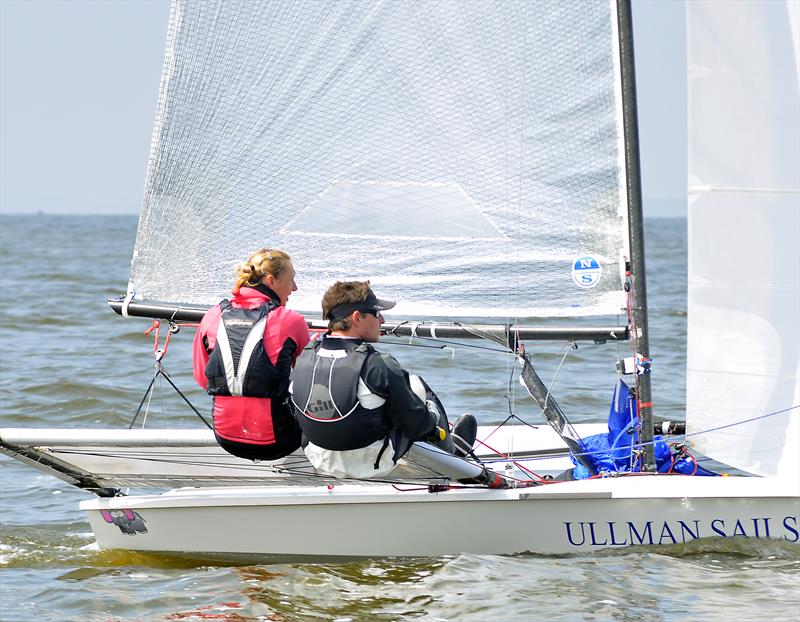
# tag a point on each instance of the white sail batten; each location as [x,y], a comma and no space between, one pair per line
[463,156]
[744,234]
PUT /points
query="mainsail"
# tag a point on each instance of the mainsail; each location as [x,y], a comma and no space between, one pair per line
[466,157]
[744,234]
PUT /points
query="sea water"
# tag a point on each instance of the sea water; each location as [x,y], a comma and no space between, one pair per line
[66,360]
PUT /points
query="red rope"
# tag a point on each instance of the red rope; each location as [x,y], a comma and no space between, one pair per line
[156,326]
[632,321]
[682,452]
[521,467]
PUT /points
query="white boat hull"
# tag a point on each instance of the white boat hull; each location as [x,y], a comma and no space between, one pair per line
[381,520]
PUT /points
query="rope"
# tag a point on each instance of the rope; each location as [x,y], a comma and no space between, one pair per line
[632,323]
[159,354]
[185,399]
[742,422]
[156,326]
[521,467]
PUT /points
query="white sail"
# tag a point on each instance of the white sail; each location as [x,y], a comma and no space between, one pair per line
[744,233]
[462,155]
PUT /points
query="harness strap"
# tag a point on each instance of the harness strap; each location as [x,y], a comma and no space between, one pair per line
[385,445]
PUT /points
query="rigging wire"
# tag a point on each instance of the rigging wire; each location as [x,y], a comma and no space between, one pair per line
[160,372]
[511,416]
[446,343]
[574,346]
[742,422]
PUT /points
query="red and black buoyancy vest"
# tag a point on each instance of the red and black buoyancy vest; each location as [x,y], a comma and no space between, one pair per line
[239,365]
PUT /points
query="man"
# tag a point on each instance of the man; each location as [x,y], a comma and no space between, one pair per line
[358,409]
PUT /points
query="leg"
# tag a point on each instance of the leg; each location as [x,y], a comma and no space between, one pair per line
[465,430]
[435,407]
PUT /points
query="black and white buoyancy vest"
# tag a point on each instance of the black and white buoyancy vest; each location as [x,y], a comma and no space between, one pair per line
[238,365]
[335,408]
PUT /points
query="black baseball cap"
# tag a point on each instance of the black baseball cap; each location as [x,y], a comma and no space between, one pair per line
[371,304]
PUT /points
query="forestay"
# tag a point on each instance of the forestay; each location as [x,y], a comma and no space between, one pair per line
[744,233]
[461,155]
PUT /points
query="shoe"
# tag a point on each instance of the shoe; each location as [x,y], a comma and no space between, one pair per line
[464,433]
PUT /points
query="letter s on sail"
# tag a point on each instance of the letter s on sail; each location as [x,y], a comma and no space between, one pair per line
[791,529]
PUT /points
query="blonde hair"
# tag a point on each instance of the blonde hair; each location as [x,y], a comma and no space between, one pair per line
[342,293]
[261,263]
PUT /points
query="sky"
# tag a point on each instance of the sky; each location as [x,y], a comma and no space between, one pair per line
[79,81]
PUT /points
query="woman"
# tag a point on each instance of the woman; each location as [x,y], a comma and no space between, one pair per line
[249,378]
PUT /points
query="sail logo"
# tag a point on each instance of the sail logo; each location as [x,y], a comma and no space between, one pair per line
[586,271]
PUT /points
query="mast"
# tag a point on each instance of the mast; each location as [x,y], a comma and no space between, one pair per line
[635,226]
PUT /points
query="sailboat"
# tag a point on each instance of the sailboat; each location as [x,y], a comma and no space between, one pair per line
[478,162]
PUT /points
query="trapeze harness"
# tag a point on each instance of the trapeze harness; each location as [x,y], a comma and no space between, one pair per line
[330,400]
[239,365]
